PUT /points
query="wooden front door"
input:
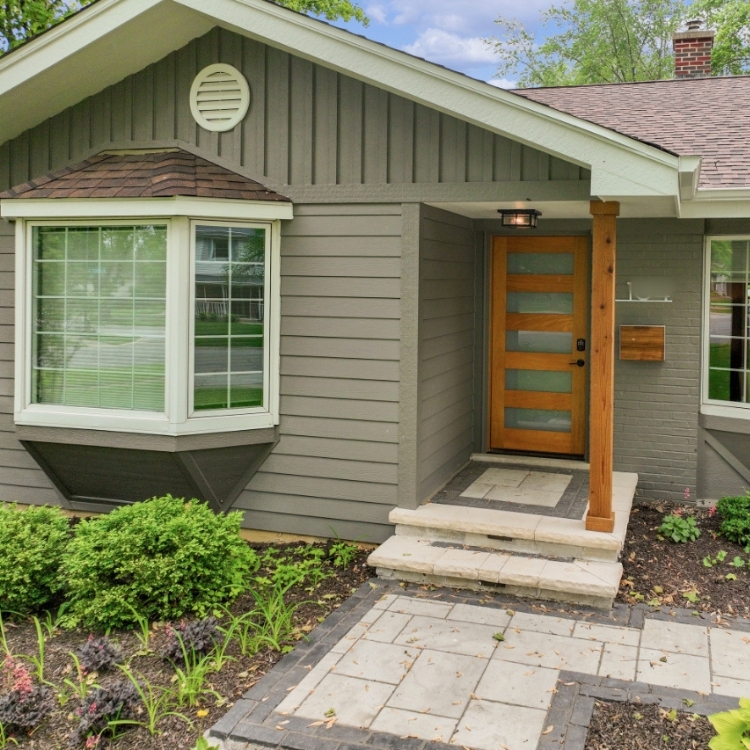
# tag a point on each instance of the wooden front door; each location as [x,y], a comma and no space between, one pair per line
[539,350]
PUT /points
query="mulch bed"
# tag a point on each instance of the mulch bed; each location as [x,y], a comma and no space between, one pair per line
[234,679]
[662,573]
[628,726]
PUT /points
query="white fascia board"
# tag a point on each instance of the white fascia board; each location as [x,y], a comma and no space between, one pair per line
[621,166]
[137,208]
[730,203]
[690,173]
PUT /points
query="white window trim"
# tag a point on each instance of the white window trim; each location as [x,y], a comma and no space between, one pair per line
[709,406]
[176,419]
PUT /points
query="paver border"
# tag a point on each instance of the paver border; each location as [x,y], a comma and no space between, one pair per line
[246,725]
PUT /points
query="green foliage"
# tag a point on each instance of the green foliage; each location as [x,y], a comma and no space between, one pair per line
[32,543]
[735,518]
[616,41]
[679,529]
[342,554]
[710,562]
[346,10]
[22,19]
[733,728]
[159,560]
[285,571]
[731,20]
[202,744]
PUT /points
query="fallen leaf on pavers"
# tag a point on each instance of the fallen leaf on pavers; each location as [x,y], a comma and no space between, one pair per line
[664,659]
[330,723]
[456,703]
[426,711]
[473,696]
[509,612]
[459,674]
[499,637]
[568,684]
[315,724]
[528,674]
[516,630]
[329,713]
[280,728]
[548,729]
[509,647]
[289,690]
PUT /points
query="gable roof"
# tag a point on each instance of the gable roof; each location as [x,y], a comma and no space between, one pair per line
[111,39]
[161,174]
[709,117]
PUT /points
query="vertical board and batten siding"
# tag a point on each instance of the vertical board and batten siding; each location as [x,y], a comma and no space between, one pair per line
[21,479]
[307,125]
[336,464]
[447,269]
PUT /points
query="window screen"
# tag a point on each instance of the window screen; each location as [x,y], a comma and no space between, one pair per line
[99,313]
[229,317]
[728,321]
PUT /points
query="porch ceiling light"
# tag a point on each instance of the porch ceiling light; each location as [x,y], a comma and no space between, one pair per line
[520,218]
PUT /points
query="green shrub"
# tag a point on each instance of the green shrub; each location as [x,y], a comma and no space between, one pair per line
[32,543]
[679,529]
[732,728]
[162,559]
[735,519]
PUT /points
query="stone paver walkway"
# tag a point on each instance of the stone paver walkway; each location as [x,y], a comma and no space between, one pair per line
[416,669]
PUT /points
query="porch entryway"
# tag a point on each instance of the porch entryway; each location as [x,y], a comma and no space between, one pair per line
[512,524]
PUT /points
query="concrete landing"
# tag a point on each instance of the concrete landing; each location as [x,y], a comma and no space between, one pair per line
[520,552]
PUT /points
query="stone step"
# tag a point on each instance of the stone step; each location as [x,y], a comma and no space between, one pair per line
[521,532]
[417,560]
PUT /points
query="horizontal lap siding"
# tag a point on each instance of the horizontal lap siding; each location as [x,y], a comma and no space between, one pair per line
[307,125]
[21,480]
[446,347]
[336,464]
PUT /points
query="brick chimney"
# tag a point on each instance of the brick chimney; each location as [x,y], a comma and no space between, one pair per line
[692,51]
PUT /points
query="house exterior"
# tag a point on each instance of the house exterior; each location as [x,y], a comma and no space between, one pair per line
[256,259]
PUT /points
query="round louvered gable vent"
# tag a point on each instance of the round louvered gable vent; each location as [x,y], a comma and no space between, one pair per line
[219,98]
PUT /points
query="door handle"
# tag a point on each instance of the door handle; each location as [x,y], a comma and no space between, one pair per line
[579,362]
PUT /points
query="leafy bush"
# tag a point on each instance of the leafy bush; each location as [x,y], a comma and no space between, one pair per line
[735,519]
[732,727]
[98,655]
[678,529]
[32,543]
[161,559]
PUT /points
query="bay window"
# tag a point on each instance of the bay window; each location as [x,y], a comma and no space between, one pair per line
[165,324]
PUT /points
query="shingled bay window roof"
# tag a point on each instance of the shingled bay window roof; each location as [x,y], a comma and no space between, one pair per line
[154,174]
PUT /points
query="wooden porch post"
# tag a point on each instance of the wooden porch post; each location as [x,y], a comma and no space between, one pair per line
[601,433]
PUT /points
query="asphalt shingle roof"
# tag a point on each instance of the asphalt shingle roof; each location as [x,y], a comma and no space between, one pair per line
[708,117]
[161,174]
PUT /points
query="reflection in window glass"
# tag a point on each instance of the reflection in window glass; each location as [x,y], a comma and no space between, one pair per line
[99,313]
[728,321]
[229,317]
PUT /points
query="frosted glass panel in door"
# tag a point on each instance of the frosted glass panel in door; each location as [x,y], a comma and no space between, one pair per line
[560,303]
[537,419]
[560,264]
[539,380]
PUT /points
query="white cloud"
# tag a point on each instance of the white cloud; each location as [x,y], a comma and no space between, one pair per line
[377,13]
[466,17]
[502,83]
[451,49]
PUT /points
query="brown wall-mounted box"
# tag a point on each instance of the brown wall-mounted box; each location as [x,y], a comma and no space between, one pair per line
[642,343]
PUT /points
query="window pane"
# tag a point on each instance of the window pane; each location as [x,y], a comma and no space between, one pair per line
[728,321]
[539,380]
[95,345]
[229,311]
[540,302]
[537,419]
[545,263]
[539,341]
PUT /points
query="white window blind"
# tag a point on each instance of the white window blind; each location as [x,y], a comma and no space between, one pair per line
[99,316]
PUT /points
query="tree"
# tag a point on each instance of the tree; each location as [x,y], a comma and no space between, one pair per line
[21,20]
[616,41]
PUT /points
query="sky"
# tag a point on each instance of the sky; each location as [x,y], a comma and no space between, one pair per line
[449,32]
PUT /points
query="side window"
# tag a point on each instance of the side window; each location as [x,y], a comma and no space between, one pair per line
[728,321]
[230,334]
